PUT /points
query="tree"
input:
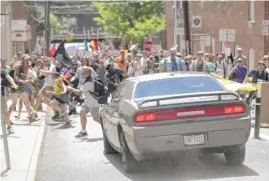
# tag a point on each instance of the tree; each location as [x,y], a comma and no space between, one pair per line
[131,20]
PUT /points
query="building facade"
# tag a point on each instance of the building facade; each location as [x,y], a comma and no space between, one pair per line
[15,10]
[221,26]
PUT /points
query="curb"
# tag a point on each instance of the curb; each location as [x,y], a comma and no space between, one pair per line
[35,163]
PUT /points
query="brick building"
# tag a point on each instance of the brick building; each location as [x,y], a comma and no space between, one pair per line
[21,12]
[244,17]
[15,10]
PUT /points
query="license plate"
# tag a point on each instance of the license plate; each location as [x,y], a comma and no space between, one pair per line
[194,139]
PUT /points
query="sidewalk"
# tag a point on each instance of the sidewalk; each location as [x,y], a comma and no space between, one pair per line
[24,148]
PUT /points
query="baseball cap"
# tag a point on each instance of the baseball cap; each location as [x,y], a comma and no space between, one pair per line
[200,53]
[67,76]
[26,56]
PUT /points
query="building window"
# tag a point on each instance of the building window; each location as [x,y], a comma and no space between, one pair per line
[251,10]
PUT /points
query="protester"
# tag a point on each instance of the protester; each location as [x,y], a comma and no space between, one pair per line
[173,63]
[200,65]
[239,72]
[91,104]
[5,80]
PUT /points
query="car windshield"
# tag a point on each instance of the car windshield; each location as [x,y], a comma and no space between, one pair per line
[174,86]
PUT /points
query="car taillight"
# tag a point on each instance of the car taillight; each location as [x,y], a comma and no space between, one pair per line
[190,113]
[234,109]
[146,117]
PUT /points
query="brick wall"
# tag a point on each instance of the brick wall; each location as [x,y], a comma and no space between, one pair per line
[169,17]
[19,11]
[266,16]
[228,15]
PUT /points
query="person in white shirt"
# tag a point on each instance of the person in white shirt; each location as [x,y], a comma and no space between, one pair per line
[42,96]
[139,65]
[221,68]
[90,105]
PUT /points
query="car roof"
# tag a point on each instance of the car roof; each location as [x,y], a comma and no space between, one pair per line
[156,76]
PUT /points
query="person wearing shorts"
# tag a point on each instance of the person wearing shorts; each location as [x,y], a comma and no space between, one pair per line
[90,105]
[22,76]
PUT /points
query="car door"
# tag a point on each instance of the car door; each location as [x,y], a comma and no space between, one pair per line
[117,99]
[108,112]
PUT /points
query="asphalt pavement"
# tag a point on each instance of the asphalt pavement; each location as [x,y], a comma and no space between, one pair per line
[66,158]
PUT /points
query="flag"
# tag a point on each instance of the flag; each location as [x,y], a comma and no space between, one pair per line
[86,44]
[42,52]
[52,50]
[93,45]
[66,60]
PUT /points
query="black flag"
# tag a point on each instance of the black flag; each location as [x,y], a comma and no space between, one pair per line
[66,60]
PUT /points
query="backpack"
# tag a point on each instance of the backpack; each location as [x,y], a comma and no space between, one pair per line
[100,92]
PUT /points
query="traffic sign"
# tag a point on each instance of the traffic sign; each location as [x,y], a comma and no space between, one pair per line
[265,28]
[222,35]
[231,35]
[228,44]
[227,35]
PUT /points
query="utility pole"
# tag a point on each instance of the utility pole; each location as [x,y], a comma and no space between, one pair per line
[185,5]
[47,26]
[175,22]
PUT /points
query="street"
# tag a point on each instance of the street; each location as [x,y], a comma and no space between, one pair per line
[66,158]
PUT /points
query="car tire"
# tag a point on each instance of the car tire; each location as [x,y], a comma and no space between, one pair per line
[235,157]
[130,164]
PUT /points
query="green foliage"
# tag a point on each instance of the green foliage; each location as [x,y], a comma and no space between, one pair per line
[131,20]
[55,23]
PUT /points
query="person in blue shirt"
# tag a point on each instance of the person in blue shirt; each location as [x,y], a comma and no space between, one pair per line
[258,73]
[173,63]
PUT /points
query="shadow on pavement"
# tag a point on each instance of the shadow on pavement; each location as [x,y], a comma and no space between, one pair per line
[91,139]
[189,167]
[3,174]
[65,126]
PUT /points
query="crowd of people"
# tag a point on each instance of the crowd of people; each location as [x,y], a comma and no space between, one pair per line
[31,80]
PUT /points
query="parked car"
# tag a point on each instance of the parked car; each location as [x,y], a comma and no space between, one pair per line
[157,114]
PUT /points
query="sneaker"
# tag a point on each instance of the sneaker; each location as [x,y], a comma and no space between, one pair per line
[56,116]
[81,134]
[10,130]
[72,111]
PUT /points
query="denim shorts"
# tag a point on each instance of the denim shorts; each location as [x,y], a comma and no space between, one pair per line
[27,89]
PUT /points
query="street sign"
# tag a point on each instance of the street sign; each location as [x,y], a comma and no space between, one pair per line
[227,35]
[231,35]
[265,22]
[228,44]
[222,35]
[265,28]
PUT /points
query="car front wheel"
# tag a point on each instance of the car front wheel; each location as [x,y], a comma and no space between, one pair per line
[235,157]
[129,162]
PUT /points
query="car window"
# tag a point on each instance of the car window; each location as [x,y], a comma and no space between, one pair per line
[179,85]
[120,91]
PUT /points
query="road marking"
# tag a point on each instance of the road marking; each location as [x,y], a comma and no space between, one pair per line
[265,137]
